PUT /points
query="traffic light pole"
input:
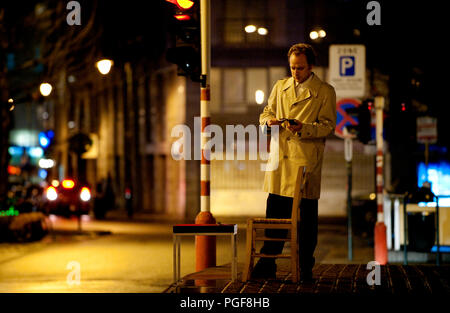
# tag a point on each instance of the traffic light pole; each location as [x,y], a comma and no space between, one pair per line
[205,246]
[380,227]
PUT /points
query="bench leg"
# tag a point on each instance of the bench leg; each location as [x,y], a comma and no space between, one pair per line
[175,265]
[234,261]
[250,247]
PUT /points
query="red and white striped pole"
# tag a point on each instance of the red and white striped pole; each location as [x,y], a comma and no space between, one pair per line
[380,227]
[205,246]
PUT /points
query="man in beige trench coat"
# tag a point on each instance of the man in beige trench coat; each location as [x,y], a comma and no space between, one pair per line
[312,104]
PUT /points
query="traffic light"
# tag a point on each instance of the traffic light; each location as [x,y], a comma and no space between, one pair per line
[185,26]
[362,114]
[46,141]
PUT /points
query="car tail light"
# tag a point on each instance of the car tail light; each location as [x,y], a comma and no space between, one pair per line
[85,194]
[51,193]
[68,183]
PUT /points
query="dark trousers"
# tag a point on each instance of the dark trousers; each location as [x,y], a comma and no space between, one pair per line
[281,207]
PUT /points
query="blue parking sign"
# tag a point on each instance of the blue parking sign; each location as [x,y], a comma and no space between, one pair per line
[347,65]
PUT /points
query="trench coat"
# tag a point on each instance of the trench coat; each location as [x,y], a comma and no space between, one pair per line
[315,108]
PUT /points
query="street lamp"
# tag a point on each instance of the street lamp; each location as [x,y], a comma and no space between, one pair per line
[45,89]
[104,66]
[313,35]
[263,31]
[250,28]
[259,96]
[322,33]
[317,33]
[11,103]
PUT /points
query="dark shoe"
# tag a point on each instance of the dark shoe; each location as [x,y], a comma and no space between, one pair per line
[264,270]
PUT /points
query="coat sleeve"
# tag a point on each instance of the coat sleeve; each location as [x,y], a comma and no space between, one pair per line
[270,109]
[326,120]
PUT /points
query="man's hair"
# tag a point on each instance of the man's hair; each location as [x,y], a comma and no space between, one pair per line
[303,48]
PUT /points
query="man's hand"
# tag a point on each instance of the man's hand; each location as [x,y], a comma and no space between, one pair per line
[273,121]
[295,127]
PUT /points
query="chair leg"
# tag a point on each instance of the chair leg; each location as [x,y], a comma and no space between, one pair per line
[250,247]
[294,259]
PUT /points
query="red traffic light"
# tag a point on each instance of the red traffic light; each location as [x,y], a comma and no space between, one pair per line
[182,4]
[182,17]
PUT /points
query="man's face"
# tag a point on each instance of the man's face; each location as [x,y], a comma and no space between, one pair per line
[300,68]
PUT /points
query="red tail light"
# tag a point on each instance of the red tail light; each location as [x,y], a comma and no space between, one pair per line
[182,17]
[68,183]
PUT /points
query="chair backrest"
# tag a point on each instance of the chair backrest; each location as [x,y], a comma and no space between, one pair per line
[299,187]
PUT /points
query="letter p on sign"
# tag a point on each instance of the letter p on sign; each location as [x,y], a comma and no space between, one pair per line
[347,65]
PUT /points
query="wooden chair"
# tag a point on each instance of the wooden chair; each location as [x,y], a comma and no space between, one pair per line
[255,224]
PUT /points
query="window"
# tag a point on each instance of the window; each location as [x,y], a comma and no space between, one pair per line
[234,89]
[256,80]
[239,14]
[216,90]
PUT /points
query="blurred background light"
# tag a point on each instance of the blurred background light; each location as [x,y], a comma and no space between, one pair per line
[36,152]
[45,89]
[15,151]
[46,163]
[313,35]
[259,96]
[263,31]
[42,173]
[24,137]
[44,141]
[104,66]
[85,194]
[51,193]
[250,28]
[71,79]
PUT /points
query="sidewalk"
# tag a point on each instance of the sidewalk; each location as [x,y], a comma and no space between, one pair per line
[348,279]
[333,272]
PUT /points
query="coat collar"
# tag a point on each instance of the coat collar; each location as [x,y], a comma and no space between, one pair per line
[311,87]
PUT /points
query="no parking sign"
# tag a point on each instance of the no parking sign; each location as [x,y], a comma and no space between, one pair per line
[343,118]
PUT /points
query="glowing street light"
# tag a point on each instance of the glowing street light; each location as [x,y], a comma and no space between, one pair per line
[317,33]
[104,66]
[45,89]
[11,102]
[263,31]
[314,35]
[259,96]
[250,28]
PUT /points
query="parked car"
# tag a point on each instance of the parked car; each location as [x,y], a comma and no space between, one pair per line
[67,198]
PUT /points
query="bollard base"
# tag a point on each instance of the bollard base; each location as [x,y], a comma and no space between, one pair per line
[381,255]
[205,248]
